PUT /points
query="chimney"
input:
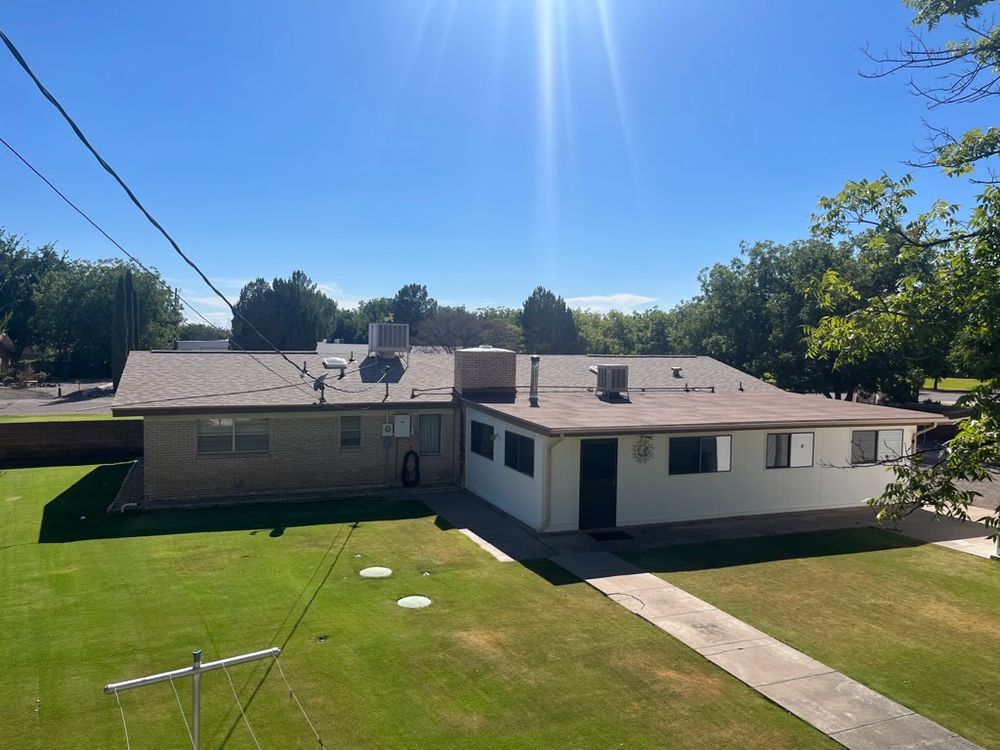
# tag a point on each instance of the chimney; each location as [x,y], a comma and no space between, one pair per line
[533,391]
[486,372]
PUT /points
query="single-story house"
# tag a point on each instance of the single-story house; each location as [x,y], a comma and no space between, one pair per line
[560,442]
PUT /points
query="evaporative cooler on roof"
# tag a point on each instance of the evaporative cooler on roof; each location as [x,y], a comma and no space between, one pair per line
[612,380]
[388,339]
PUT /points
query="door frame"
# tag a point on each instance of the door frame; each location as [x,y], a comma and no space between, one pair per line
[614,484]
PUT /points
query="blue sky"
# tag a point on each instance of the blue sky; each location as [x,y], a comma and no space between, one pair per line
[608,151]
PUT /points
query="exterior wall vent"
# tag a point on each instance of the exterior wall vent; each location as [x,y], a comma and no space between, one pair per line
[612,380]
[388,339]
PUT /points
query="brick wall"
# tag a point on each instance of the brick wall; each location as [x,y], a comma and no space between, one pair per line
[72,441]
[304,454]
[482,369]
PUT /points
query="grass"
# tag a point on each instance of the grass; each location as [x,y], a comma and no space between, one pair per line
[61,418]
[508,655]
[916,622]
[952,384]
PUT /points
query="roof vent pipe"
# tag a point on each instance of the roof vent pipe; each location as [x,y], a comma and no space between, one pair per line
[677,371]
[533,389]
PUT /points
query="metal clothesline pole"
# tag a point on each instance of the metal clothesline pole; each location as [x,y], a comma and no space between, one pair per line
[194,672]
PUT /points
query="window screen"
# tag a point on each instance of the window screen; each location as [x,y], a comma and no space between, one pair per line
[215,435]
[429,434]
[519,453]
[870,446]
[890,445]
[481,439]
[700,455]
[350,432]
[251,435]
[243,435]
[789,450]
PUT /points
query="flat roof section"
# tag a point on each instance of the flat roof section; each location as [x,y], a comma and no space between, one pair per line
[585,414]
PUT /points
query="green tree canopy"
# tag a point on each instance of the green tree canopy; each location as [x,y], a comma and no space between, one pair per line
[74,305]
[954,293]
[192,331]
[548,324]
[412,305]
[21,269]
[287,313]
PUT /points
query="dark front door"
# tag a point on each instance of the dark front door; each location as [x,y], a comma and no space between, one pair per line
[598,483]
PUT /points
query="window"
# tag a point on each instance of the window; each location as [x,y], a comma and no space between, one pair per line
[519,453]
[350,432]
[244,435]
[700,455]
[429,434]
[871,446]
[789,450]
[482,439]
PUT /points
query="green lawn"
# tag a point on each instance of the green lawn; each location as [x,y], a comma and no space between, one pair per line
[61,418]
[918,623]
[507,656]
[952,384]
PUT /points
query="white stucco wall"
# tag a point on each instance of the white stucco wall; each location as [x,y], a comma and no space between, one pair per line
[510,490]
[648,494]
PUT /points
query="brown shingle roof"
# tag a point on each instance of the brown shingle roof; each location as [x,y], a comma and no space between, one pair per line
[177,381]
[584,413]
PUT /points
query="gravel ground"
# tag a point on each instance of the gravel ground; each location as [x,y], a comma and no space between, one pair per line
[23,402]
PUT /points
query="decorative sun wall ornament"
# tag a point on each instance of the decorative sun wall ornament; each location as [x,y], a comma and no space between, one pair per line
[642,451]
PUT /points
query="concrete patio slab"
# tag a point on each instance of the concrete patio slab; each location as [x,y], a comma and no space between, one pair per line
[905,733]
[768,663]
[711,627]
[660,602]
[833,702]
[587,565]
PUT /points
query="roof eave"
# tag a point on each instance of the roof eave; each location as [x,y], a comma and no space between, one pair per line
[138,410]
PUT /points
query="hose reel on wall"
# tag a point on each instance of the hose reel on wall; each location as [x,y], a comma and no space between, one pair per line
[410,475]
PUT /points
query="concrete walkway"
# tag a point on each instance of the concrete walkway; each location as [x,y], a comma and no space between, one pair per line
[508,540]
[845,710]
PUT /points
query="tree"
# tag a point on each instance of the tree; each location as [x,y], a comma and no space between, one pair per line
[21,269]
[753,313]
[451,327]
[958,299]
[191,331]
[74,307]
[501,327]
[124,325]
[287,313]
[412,305]
[548,324]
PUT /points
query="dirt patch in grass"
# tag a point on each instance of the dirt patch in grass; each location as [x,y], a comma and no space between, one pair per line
[702,683]
[491,644]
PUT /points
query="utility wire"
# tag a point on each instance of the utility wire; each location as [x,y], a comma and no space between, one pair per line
[291,694]
[187,727]
[129,255]
[128,745]
[128,191]
[240,706]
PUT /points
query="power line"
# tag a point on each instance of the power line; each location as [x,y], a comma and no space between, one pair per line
[128,191]
[129,255]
